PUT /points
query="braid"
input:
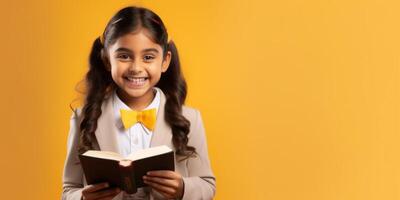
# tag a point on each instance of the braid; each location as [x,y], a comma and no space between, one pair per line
[174,86]
[99,84]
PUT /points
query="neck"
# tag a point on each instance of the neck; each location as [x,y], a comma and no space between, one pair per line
[137,103]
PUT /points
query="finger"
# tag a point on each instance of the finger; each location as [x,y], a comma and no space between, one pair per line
[162,181]
[163,173]
[110,197]
[107,197]
[95,187]
[166,195]
[104,193]
[161,188]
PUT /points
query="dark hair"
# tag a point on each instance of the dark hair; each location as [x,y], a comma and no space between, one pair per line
[99,84]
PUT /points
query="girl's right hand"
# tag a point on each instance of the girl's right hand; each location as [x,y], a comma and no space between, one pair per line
[100,191]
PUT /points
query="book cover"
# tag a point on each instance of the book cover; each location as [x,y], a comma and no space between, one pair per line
[125,172]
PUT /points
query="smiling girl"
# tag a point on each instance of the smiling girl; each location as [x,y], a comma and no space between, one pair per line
[133,67]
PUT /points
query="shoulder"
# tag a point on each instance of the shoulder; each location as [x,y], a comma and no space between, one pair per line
[195,119]
[190,113]
[76,114]
[77,111]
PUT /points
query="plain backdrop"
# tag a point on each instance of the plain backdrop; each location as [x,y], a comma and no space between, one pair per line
[300,98]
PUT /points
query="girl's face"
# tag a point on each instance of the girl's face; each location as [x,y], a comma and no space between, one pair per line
[136,65]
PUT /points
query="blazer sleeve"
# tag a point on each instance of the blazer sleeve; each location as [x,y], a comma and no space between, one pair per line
[200,183]
[73,173]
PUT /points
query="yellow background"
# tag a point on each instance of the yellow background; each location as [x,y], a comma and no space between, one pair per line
[300,99]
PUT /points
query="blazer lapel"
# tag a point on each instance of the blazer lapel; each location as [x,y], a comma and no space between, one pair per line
[106,132]
[162,133]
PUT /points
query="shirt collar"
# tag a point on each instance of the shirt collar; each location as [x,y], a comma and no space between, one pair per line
[119,104]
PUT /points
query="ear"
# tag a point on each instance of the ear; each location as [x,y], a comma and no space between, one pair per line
[166,62]
[105,60]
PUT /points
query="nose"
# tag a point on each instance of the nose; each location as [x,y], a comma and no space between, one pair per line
[135,66]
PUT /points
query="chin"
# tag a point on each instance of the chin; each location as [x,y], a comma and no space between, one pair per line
[137,92]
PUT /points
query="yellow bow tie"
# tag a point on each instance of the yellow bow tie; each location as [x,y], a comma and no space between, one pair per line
[146,117]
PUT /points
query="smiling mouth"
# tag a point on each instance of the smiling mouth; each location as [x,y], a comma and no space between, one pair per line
[136,81]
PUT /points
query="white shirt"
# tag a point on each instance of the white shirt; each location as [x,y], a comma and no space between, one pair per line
[137,136]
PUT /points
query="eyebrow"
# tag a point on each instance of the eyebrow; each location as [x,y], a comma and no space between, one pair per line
[143,51]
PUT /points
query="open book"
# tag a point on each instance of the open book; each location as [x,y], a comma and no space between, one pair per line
[125,172]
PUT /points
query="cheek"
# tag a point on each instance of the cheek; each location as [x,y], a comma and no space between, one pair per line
[116,73]
[117,68]
[155,70]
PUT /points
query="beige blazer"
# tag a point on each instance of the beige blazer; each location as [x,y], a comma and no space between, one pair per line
[199,181]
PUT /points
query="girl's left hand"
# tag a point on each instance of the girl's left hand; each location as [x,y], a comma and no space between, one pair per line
[168,183]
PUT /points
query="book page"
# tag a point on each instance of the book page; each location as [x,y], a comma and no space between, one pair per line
[149,152]
[103,154]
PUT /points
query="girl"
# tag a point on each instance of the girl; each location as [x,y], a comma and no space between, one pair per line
[133,66]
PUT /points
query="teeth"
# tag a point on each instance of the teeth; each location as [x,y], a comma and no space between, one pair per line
[136,79]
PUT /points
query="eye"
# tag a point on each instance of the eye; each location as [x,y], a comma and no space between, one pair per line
[148,57]
[123,56]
